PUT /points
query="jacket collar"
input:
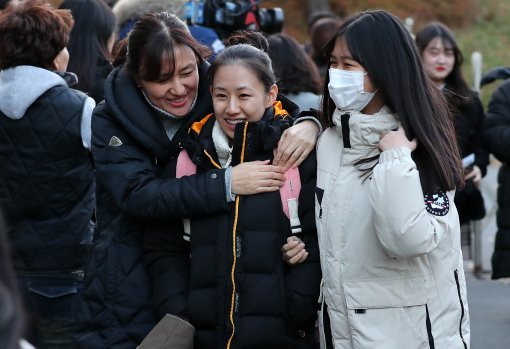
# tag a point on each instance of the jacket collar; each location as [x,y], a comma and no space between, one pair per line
[251,139]
[362,130]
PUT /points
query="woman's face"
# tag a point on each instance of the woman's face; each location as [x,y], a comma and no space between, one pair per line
[238,95]
[341,58]
[438,60]
[175,94]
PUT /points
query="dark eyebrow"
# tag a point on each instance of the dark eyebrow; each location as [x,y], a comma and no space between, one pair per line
[342,57]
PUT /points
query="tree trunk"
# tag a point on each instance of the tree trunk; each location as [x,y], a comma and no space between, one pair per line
[317,5]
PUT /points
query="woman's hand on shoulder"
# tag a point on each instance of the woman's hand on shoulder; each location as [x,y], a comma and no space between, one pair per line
[296,143]
[396,139]
[256,177]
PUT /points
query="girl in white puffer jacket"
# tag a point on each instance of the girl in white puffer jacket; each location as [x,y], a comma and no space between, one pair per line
[387,169]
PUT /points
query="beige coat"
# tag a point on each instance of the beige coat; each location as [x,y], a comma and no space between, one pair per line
[391,261]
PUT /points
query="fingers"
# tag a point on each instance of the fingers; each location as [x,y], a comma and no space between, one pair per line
[302,157]
[284,155]
[279,152]
[293,251]
[299,258]
[470,175]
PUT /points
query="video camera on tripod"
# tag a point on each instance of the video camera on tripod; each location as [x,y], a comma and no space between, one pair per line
[228,16]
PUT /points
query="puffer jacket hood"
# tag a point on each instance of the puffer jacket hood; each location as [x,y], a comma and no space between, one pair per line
[125,10]
[16,96]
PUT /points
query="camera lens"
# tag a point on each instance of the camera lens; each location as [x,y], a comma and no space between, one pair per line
[271,20]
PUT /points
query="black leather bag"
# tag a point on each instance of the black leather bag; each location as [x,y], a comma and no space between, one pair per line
[469,202]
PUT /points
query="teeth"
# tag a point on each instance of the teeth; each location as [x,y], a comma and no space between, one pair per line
[233,122]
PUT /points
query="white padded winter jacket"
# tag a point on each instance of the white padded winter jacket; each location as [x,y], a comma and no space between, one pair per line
[390,254]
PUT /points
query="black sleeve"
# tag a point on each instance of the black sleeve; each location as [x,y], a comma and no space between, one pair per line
[303,280]
[480,150]
[128,172]
[496,130]
[167,259]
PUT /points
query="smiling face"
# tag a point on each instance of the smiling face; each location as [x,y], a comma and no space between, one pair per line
[238,96]
[175,93]
[438,60]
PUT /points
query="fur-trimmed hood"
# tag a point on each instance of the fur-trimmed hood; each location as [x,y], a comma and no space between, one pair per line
[125,10]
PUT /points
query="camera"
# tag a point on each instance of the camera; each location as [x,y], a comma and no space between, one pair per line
[228,16]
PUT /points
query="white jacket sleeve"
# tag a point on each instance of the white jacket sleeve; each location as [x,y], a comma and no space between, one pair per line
[402,223]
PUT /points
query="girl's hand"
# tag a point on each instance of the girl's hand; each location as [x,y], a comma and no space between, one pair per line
[293,252]
[475,174]
[256,177]
[296,143]
[396,139]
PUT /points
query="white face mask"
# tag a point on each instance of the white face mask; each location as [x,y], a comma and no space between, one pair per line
[347,91]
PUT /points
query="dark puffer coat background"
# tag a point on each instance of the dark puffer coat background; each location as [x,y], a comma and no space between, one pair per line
[497,138]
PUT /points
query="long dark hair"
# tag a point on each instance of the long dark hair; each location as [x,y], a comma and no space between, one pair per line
[458,91]
[94,24]
[152,41]
[385,48]
[295,70]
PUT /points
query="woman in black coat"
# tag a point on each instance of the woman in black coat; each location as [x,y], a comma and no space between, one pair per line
[442,60]
[496,132]
[150,102]
[241,293]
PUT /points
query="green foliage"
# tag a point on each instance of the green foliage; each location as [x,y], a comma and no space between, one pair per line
[458,13]
[490,35]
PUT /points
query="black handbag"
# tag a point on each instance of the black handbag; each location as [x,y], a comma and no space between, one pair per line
[469,202]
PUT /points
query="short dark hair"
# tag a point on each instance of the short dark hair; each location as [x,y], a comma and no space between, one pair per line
[455,80]
[295,70]
[153,40]
[33,33]
[248,56]
[384,47]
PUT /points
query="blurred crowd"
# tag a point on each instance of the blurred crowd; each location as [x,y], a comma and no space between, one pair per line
[99,99]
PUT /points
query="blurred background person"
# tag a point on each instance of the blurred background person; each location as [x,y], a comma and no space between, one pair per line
[442,60]
[297,75]
[322,25]
[90,44]
[128,11]
[47,177]
[496,133]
